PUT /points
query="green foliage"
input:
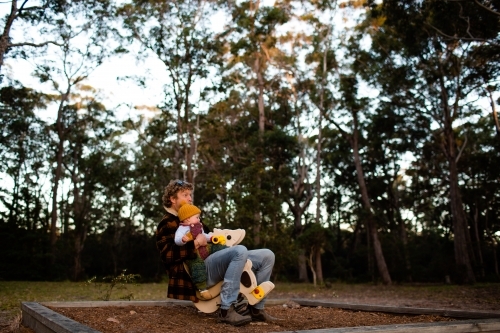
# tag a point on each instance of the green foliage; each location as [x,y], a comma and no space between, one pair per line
[240,119]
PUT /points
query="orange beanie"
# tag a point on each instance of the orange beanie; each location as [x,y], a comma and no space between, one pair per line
[187,210]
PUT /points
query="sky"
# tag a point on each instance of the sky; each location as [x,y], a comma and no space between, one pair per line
[119,94]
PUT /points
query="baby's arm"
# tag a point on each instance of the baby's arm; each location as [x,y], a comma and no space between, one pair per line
[179,235]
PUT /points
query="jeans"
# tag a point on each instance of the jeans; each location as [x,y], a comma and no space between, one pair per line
[227,265]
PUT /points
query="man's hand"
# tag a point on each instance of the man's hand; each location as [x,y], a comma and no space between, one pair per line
[200,240]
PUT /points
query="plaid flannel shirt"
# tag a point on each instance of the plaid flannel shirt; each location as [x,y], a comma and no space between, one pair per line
[180,285]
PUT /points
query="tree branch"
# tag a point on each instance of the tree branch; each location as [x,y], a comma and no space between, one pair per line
[472,39]
[341,130]
[494,112]
[34,44]
[461,149]
[488,9]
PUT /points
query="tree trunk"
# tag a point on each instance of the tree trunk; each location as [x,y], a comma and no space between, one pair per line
[491,237]
[478,240]
[494,113]
[301,190]
[311,264]
[302,263]
[462,259]
[5,38]
[369,218]
[320,126]
[369,256]
[260,159]
[13,214]
[318,265]
[79,215]
[402,229]
[179,144]
[297,212]
[404,242]
[495,259]
[58,170]
[189,152]
[78,248]
[465,273]
[318,169]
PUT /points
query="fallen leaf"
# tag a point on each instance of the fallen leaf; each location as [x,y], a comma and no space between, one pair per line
[132,312]
[113,320]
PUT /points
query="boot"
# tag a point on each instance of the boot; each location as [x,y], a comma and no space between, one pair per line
[231,317]
[241,305]
[260,315]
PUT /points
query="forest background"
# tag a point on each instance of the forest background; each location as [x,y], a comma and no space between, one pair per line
[359,140]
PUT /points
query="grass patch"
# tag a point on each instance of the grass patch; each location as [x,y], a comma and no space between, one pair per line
[13,293]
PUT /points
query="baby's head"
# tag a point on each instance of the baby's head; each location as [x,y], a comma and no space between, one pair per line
[189,213]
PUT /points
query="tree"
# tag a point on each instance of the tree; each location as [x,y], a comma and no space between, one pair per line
[77,62]
[354,105]
[92,160]
[445,73]
[23,141]
[177,35]
[300,193]
[253,46]
[25,12]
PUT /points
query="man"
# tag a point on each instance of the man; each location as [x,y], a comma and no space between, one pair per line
[224,265]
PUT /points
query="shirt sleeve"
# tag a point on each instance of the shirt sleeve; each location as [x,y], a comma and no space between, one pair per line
[170,253]
[181,231]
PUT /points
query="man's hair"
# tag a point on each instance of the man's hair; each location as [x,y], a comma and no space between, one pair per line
[171,190]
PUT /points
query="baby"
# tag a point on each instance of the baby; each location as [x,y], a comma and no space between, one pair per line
[188,230]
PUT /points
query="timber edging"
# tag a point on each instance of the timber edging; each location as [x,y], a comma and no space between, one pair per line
[459,326]
[43,320]
[399,310]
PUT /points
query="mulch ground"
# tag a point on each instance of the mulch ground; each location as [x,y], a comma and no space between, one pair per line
[180,319]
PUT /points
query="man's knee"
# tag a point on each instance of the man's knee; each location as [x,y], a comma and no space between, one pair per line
[261,258]
[239,251]
[268,255]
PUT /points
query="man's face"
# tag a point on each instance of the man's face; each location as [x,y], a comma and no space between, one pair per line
[182,196]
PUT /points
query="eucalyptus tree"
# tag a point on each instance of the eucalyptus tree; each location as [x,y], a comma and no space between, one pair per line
[153,166]
[31,12]
[177,34]
[300,190]
[82,31]
[341,196]
[98,171]
[228,145]
[481,191]
[444,75]
[334,92]
[23,142]
[393,135]
[354,106]
[254,73]
[321,62]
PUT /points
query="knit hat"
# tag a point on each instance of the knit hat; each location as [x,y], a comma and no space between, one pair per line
[187,210]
